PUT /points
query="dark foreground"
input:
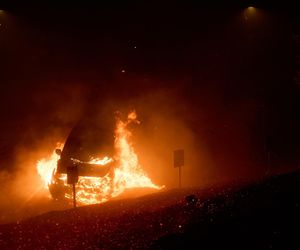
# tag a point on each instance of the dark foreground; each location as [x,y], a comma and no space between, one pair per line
[264,215]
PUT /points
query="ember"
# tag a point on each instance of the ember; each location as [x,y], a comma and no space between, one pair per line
[128,173]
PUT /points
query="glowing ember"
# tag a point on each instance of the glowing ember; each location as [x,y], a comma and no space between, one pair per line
[126,174]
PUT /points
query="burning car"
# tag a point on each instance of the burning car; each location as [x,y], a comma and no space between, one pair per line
[103,153]
[89,147]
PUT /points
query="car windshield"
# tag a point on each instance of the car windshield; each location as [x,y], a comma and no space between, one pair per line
[90,138]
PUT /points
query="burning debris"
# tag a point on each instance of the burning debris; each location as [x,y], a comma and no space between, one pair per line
[111,176]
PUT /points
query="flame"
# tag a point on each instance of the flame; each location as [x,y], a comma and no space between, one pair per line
[102,162]
[128,173]
[47,166]
[97,161]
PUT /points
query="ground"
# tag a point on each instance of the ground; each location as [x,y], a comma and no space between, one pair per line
[261,215]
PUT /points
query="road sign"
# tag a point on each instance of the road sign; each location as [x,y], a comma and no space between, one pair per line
[178,158]
[178,163]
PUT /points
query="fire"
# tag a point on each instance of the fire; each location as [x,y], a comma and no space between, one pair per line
[102,162]
[127,173]
[47,166]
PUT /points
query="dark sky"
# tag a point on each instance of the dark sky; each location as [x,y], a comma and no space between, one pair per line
[234,68]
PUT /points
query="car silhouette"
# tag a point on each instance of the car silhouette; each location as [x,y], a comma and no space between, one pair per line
[91,138]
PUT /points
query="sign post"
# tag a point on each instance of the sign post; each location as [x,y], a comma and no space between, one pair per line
[72,178]
[178,163]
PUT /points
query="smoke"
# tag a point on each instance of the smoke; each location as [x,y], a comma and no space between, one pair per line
[219,136]
[169,120]
[164,127]
[54,110]
[219,140]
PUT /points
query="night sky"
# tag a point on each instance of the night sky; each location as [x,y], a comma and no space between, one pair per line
[233,70]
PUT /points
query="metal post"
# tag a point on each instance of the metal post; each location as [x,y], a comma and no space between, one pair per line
[179,169]
[74,195]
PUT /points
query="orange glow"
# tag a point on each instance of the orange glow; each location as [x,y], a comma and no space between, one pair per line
[102,162]
[127,173]
[47,166]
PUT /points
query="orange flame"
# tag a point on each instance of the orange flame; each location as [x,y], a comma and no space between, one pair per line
[47,166]
[128,173]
